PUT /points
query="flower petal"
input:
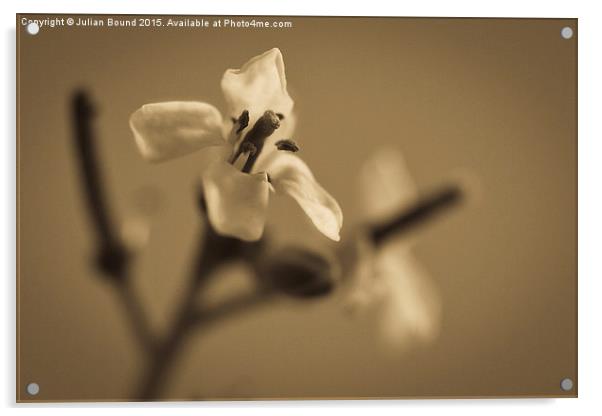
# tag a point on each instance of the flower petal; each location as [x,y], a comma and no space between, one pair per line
[236,202]
[386,186]
[171,129]
[258,86]
[290,175]
[412,308]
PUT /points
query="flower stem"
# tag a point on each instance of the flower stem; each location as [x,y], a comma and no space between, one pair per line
[137,316]
[112,257]
[422,211]
[165,356]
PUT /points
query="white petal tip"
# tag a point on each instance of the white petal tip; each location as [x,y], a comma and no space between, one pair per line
[273,51]
[258,85]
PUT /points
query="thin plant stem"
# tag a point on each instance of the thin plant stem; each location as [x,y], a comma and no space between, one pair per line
[112,259]
[425,209]
[137,316]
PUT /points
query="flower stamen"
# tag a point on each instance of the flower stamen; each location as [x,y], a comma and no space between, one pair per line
[261,130]
[242,121]
[239,124]
[287,145]
[247,147]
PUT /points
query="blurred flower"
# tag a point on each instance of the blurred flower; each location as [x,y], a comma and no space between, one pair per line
[387,276]
[257,153]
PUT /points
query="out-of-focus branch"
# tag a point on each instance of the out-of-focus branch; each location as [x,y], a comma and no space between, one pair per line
[112,257]
[422,211]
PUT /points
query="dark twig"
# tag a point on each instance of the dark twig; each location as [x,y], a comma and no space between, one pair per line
[136,314]
[112,257]
[422,211]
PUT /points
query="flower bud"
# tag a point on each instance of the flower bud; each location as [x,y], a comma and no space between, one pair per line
[298,272]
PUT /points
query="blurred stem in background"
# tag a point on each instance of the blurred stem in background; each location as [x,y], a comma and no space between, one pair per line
[112,258]
[424,210]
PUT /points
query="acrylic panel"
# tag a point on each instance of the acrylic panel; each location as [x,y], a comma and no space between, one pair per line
[230,207]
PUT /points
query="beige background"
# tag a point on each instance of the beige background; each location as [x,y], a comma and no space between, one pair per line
[494,96]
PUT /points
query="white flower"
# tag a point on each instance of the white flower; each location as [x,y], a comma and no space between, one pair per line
[388,277]
[260,115]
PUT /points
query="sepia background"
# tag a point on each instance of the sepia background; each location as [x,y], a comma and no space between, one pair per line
[496,97]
